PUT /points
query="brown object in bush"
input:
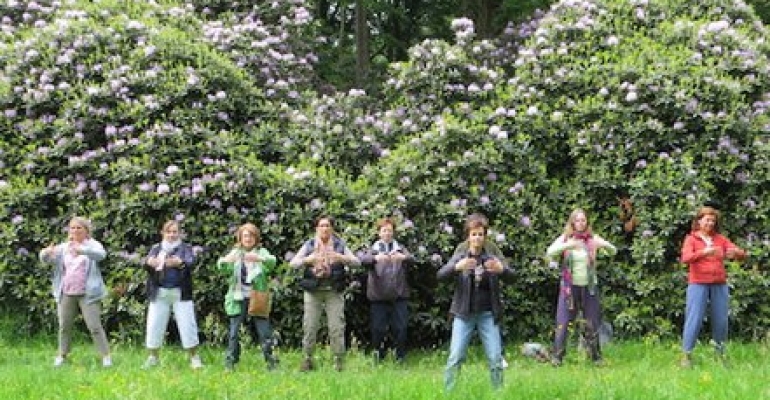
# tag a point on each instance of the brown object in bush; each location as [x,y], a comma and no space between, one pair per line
[627,214]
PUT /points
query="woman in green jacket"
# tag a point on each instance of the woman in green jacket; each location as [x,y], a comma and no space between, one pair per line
[249,266]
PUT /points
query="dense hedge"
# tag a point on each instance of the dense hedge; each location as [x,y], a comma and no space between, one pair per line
[135,113]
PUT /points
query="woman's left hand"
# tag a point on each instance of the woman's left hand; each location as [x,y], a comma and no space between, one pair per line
[398,257]
[734,253]
[493,266]
[174,261]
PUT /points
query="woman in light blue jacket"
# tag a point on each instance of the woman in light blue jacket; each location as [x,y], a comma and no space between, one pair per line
[78,283]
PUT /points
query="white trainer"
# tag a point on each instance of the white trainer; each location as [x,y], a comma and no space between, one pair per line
[58,361]
[106,361]
[195,362]
[151,362]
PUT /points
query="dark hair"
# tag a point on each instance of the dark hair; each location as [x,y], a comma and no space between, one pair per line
[476,220]
[323,217]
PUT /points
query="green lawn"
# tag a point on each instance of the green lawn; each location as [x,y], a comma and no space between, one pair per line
[633,371]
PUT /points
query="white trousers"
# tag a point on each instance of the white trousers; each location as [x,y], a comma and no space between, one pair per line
[159,313]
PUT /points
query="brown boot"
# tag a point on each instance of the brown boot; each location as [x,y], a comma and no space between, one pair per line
[307,365]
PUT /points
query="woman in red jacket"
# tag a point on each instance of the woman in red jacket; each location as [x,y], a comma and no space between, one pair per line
[704,251]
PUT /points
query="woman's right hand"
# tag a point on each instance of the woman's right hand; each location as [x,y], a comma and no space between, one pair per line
[49,250]
[310,259]
[710,251]
[574,244]
[466,264]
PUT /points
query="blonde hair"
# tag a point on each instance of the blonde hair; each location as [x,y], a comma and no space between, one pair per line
[569,227]
[84,222]
[251,228]
[168,224]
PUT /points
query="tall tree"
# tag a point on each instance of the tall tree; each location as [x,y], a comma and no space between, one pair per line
[362,44]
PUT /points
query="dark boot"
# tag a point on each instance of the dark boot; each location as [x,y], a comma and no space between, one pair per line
[230,361]
[497,377]
[594,348]
[307,364]
[721,354]
[338,363]
[378,355]
[557,357]
[267,351]
[450,377]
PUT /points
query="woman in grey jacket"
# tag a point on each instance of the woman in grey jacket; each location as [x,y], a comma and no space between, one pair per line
[476,304]
[387,290]
[78,282]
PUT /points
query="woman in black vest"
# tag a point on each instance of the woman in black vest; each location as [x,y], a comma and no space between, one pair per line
[323,260]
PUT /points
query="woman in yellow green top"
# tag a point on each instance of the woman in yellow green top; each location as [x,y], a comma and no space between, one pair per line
[249,266]
[576,250]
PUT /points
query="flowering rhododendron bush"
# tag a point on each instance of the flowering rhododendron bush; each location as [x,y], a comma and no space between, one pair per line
[213,116]
[135,114]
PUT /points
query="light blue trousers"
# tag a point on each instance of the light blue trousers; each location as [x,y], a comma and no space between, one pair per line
[700,296]
[462,331]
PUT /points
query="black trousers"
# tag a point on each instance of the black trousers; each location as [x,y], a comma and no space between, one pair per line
[393,316]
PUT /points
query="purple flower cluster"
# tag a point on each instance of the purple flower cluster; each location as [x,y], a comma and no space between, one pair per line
[269,43]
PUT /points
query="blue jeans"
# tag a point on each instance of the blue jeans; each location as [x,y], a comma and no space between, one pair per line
[462,331]
[258,328]
[699,296]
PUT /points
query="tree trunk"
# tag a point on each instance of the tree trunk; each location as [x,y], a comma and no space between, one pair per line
[362,44]
[482,12]
[484,21]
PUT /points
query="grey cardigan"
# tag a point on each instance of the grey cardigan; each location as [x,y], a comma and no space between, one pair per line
[95,287]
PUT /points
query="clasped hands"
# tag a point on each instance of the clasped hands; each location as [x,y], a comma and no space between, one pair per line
[393,256]
[731,253]
[172,261]
[330,257]
[575,244]
[492,265]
